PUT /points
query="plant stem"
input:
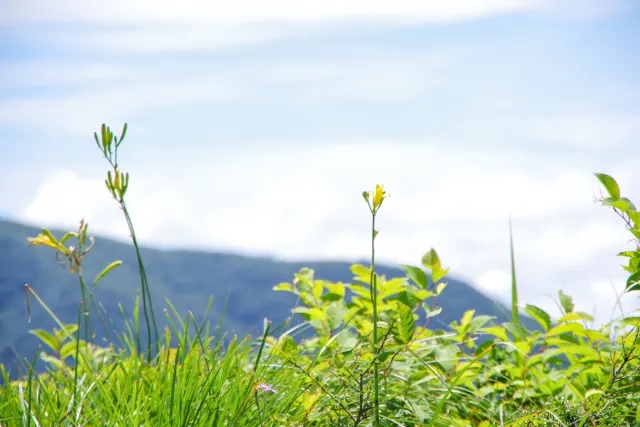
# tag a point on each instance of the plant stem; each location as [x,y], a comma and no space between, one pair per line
[146,293]
[374,298]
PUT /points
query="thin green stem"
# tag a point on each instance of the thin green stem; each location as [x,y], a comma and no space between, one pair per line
[374,298]
[146,294]
[514,286]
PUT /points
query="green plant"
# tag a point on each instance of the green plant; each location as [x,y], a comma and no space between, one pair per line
[364,354]
[630,215]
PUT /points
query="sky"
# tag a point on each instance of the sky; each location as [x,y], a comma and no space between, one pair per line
[255,126]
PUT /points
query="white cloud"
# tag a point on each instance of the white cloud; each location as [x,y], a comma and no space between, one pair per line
[587,9]
[80,113]
[163,25]
[27,74]
[253,11]
[495,281]
[125,91]
[302,203]
[589,130]
[65,198]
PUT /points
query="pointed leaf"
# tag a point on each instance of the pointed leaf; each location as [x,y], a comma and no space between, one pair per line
[47,338]
[431,313]
[610,185]
[317,289]
[497,331]
[624,205]
[466,317]
[431,260]
[633,282]
[478,322]
[106,271]
[405,324]
[539,315]
[518,332]
[416,274]
[566,302]
[283,287]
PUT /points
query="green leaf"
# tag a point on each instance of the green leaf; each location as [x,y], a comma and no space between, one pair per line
[335,316]
[48,338]
[123,134]
[317,289]
[405,324]
[633,321]
[67,236]
[445,355]
[283,287]
[440,288]
[392,287]
[416,274]
[385,355]
[438,274]
[347,341]
[623,204]
[310,313]
[478,322]
[422,294]
[69,349]
[518,332]
[106,271]
[431,313]
[361,273]
[309,400]
[575,328]
[431,259]
[466,317]
[592,392]
[288,346]
[633,282]
[54,361]
[539,315]
[574,316]
[304,278]
[634,216]
[497,331]
[610,185]
[566,302]
[336,292]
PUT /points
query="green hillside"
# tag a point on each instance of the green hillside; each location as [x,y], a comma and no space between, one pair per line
[186,278]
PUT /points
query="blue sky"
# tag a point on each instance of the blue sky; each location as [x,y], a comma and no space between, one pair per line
[264,124]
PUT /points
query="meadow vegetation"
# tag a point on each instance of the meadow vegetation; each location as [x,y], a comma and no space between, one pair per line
[365,353]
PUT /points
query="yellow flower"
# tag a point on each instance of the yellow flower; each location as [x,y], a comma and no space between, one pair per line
[41,239]
[378,196]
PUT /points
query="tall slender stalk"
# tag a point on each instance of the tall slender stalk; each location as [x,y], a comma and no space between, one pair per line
[374,300]
[146,292]
[117,185]
[378,196]
[514,284]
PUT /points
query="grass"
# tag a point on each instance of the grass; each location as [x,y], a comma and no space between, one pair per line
[363,354]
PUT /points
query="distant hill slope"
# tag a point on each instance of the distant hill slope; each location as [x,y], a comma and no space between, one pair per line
[186,278]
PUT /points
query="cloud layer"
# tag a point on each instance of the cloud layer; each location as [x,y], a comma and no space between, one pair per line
[305,203]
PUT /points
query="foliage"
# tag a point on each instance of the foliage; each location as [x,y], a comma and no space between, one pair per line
[630,215]
[366,353]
